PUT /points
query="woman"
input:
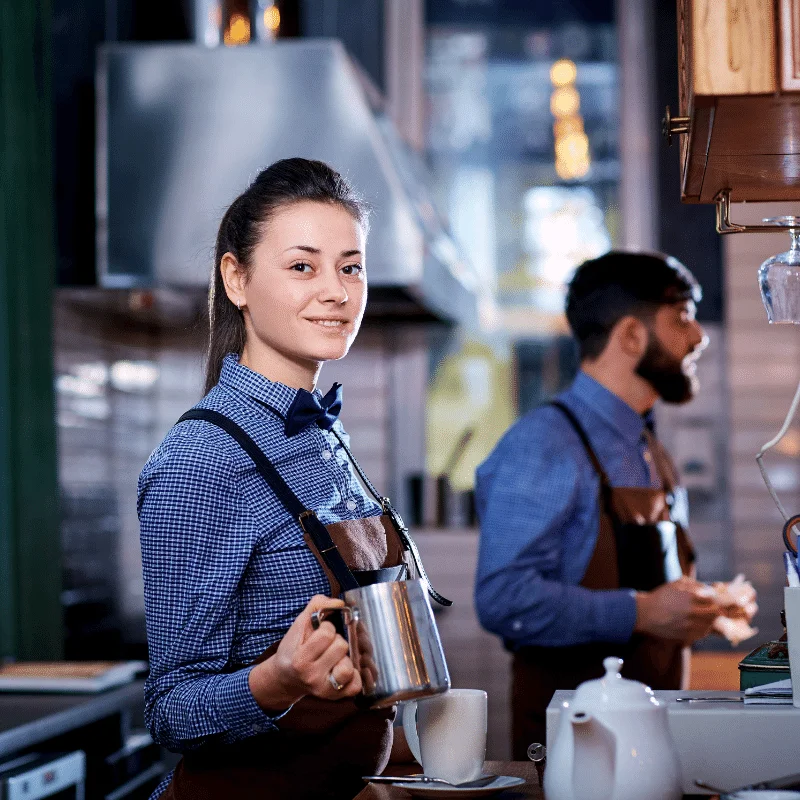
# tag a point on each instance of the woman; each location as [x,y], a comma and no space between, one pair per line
[240,683]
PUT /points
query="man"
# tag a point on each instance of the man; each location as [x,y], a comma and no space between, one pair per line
[584,552]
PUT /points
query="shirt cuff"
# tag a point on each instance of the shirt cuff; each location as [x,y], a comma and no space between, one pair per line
[240,712]
[616,615]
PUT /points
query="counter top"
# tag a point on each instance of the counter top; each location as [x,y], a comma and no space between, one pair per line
[29,718]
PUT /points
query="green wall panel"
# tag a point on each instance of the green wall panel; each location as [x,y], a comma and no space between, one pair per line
[31,624]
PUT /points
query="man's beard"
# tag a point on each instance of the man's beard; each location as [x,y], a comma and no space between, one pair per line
[665,373]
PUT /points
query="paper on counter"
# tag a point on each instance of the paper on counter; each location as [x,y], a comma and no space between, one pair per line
[781,688]
[778,693]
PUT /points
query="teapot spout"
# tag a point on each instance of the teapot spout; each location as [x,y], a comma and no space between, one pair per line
[594,762]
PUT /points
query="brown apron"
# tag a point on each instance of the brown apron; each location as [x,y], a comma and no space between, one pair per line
[321,748]
[640,545]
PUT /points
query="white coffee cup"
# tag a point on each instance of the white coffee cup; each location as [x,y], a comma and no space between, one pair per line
[447,734]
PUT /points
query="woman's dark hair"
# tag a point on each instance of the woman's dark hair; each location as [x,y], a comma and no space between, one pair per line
[292,180]
[606,289]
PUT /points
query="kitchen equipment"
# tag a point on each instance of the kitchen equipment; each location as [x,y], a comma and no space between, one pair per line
[154,122]
[394,641]
[447,501]
[613,742]
[35,776]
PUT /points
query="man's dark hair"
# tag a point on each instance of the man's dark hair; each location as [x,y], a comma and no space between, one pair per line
[604,290]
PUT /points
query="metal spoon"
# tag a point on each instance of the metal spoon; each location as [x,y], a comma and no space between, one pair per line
[709,699]
[482,781]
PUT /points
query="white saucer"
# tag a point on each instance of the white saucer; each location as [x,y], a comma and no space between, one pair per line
[436,790]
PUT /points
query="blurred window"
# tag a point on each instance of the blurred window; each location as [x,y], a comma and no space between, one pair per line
[522,143]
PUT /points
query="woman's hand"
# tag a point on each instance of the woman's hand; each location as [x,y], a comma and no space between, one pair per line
[308,661]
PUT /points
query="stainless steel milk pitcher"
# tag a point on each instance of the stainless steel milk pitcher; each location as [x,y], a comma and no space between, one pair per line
[394,641]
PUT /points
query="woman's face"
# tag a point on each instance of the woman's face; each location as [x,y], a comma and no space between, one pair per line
[307,290]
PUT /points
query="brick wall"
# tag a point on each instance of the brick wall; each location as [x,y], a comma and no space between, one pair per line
[763,370]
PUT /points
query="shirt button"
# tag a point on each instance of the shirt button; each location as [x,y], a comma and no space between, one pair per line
[648,458]
[326,455]
[516,625]
[257,727]
[351,505]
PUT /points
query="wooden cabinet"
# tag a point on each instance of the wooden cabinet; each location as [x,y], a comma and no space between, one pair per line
[790,45]
[739,85]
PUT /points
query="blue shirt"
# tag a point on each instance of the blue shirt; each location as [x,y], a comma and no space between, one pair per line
[538,505]
[226,570]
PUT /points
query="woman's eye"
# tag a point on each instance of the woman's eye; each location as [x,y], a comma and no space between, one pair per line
[301,267]
[352,269]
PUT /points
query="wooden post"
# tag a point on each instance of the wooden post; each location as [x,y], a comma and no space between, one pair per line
[31,624]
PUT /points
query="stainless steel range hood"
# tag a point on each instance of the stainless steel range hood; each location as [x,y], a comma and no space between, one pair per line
[182,130]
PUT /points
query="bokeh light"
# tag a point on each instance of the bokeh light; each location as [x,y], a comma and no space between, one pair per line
[563,72]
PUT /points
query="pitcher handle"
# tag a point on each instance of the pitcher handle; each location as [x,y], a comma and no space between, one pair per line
[318,617]
[349,616]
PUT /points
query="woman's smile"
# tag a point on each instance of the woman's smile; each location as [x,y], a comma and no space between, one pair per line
[326,322]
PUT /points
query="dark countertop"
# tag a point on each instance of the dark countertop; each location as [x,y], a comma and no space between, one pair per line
[29,718]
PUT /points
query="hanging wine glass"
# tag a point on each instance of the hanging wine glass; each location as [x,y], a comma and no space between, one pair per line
[779,277]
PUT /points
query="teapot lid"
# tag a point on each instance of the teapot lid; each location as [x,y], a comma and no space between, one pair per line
[613,692]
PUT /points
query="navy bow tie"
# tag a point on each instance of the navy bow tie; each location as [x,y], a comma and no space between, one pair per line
[305,409]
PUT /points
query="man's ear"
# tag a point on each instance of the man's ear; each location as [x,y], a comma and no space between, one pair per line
[632,336]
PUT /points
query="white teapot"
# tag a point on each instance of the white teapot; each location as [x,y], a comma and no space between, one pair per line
[613,743]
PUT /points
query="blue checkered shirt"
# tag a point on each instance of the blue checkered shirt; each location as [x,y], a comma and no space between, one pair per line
[538,505]
[226,570]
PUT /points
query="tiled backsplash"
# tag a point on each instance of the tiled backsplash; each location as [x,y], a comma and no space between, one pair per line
[763,370]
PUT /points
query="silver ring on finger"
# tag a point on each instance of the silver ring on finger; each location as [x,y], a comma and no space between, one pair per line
[333,682]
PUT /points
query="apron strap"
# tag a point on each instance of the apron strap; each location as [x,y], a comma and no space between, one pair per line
[660,457]
[308,519]
[605,484]
[664,466]
[397,523]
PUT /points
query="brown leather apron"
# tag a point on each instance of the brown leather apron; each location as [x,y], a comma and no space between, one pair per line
[640,545]
[321,748]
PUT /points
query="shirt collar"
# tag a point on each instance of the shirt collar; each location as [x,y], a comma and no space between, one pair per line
[236,376]
[611,408]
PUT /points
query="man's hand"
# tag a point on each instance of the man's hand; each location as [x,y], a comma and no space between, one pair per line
[680,610]
[738,599]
